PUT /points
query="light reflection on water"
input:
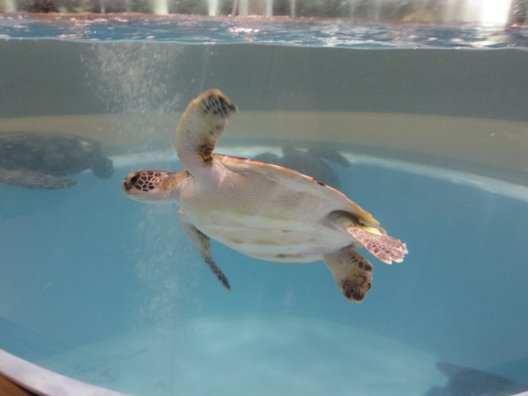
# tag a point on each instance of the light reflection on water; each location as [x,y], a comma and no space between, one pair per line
[278,31]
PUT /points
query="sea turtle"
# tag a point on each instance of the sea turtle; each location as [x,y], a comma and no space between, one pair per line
[311,161]
[39,160]
[466,381]
[259,209]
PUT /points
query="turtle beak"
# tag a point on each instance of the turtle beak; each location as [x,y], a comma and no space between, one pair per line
[126,185]
[130,181]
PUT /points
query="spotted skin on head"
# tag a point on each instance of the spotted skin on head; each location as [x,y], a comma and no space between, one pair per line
[146,180]
[154,185]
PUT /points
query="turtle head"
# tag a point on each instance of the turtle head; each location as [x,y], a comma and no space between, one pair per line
[103,168]
[154,185]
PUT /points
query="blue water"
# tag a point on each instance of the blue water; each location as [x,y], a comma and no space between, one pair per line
[109,291]
[96,269]
[279,31]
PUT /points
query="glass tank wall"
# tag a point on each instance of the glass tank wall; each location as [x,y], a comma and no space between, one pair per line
[422,124]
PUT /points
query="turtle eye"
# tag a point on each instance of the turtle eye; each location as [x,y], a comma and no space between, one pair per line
[134,179]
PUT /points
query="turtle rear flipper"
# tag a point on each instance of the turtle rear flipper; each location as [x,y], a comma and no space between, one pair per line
[33,180]
[202,244]
[352,272]
[384,247]
[371,236]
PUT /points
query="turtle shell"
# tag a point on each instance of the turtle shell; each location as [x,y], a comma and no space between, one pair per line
[52,154]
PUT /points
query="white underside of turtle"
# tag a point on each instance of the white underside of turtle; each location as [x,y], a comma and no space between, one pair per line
[259,209]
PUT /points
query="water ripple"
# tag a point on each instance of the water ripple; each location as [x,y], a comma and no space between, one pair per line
[307,32]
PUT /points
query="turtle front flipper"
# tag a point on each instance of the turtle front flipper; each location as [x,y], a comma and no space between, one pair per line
[202,244]
[352,272]
[200,127]
[33,180]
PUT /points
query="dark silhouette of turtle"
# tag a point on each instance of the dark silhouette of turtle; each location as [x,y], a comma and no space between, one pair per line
[310,162]
[40,160]
[465,381]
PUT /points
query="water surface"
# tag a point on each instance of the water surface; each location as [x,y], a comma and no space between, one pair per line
[433,120]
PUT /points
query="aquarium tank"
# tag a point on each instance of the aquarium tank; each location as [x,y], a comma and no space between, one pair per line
[415,110]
